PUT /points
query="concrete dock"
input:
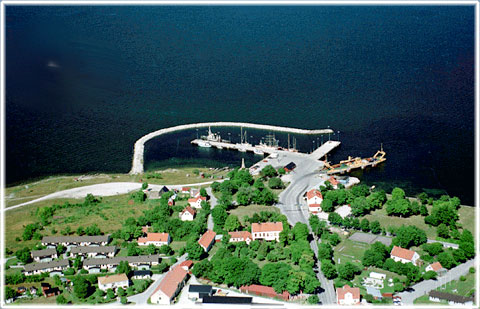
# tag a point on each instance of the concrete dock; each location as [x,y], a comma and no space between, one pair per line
[139,147]
[321,151]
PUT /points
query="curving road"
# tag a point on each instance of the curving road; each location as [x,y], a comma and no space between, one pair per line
[291,203]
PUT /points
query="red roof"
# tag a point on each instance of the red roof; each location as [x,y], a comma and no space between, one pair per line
[436,266]
[240,234]
[347,289]
[264,290]
[185,189]
[267,227]
[207,239]
[171,281]
[195,199]
[190,210]
[186,264]
[163,237]
[314,192]
[333,181]
[402,253]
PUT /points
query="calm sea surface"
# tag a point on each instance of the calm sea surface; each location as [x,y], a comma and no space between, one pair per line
[83,83]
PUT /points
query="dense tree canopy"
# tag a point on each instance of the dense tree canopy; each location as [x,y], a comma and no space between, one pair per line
[408,236]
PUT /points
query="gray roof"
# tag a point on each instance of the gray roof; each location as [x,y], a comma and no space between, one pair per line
[116,260]
[44,252]
[52,264]
[450,297]
[92,249]
[75,239]
[374,292]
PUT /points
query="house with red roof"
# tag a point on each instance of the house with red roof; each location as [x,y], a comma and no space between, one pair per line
[156,239]
[207,240]
[196,202]
[245,236]
[334,182]
[436,267]
[187,214]
[186,265]
[267,230]
[348,296]
[314,197]
[399,254]
[170,286]
[262,290]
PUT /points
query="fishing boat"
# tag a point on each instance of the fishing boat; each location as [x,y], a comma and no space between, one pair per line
[205,144]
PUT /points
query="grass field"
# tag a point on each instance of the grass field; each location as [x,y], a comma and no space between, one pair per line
[458,287]
[349,251]
[27,192]
[424,300]
[466,218]
[249,210]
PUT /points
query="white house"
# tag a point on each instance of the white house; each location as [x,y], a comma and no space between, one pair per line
[333,182]
[267,230]
[245,236]
[157,239]
[187,214]
[207,240]
[436,267]
[170,286]
[348,296]
[399,254]
[113,282]
[48,267]
[314,197]
[196,202]
[377,278]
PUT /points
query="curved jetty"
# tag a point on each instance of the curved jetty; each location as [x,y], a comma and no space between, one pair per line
[137,162]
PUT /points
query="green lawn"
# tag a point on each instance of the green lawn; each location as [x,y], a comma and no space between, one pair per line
[349,251]
[249,210]
[466,218]
[458,287]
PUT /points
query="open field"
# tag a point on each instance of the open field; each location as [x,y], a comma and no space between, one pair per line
[424,300]
[249,210]
[27,192]
[108,215]
[463,288]
[466,218]
[350,251]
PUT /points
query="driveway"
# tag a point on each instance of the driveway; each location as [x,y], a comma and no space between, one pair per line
[213,203]
[426,286]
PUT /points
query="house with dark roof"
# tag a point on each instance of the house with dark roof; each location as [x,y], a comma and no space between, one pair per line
[73,241]
[48,267]
[110,264]
[93,252]
[196,291]
[452,299]
[170,286]
[231,300]
[142,274]
[45,255]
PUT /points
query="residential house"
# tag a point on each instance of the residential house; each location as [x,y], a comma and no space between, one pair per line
[186,265]
[156,194]
[110,264]
[245,236]
[48,267]
[185,190]
[399,254]
[170,286]
[267,230]
[334,182]
[51,292]
[171,202]
[142,274]
[452,299]
[93,252]
[377,278]
[157,239]
[113,282]
[290,167]
[45,255]
[436,267]
[196,291]
[348,296]
[262,290]
[314,197]
[73,241]
[207,240]
[187,214]
[196,202]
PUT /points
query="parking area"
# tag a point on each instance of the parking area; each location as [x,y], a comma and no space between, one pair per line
[370,238]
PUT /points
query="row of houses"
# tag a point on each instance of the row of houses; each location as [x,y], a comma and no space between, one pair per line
[267,231]
[142,262]
[75,241]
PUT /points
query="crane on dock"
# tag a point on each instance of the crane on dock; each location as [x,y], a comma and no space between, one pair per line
[354,163]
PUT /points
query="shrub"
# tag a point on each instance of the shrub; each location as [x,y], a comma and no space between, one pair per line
[463,278]
[471,270]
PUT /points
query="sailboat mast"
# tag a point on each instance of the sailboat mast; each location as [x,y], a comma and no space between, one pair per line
[288,141]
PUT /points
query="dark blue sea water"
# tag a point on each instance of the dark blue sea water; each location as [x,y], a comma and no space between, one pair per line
[84,82]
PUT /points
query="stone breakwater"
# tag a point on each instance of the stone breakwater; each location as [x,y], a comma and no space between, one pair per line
[139,147]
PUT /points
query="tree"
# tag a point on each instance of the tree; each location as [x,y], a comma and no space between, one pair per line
[10,293]
[359,206]
[468,249]
[328,269]
[327,205]
[123,300]
[275,183]
[325,251]
[124,268]
[334,218]
[446,259]
[110,294]
[23,255]
[202,269]
[444,213]
[203,192]
[81,287]
[365,225]
[398,194]
[429,275]
[219,215]
[195,252]
[268,171]
[433,249]
[232,223]
[92,230]
[244,196]
[375,227]
[443,231]
[144,186]
[268,198]
[121,292]
[80,231]
[138,196]
[376,255]
[347,271]
[333,239]
[313,300]
[29,231]
[423,210]
[408,236]
[300,231]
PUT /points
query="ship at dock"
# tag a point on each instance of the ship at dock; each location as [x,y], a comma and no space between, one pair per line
[354,163]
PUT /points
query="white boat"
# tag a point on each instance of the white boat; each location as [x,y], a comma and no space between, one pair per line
[219,147]
[274,155]
[258,151]
[242,149]
[205,144]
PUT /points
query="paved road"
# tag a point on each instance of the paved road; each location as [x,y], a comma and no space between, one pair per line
[292,205]
[104,189]
[445,244]
[424,287]
[141,299]
[213,203]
